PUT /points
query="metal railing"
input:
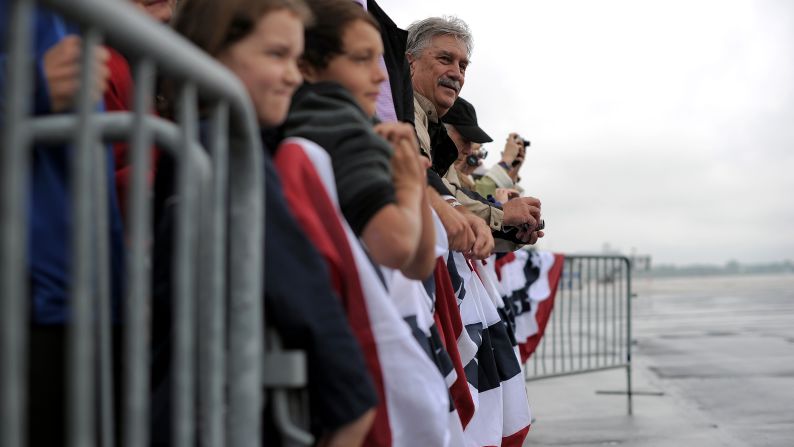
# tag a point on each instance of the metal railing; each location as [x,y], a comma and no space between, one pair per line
[226,309]
[589,328]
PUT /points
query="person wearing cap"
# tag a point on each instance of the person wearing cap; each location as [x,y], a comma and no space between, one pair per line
[461,124]
[467,165]
[438,52]
[464,130]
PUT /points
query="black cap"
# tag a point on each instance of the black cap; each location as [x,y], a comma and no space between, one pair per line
[463,117]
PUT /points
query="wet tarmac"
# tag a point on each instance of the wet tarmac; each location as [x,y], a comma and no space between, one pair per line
[713,366]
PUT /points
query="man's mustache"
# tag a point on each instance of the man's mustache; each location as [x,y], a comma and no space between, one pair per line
[451,83]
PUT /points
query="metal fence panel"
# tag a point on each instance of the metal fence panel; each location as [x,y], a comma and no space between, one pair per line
[136,354]
[202,234]
[15,164]
[212,307]
[80,354]
[589,328]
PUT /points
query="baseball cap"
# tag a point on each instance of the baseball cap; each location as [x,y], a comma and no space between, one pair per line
[463,117]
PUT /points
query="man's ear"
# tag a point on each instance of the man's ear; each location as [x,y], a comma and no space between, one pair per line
[307,70]
[411,60]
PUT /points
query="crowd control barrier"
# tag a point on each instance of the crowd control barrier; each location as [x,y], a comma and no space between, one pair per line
[589,328]
[220,376]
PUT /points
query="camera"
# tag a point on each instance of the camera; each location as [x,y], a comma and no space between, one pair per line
[541,225]
[475,158]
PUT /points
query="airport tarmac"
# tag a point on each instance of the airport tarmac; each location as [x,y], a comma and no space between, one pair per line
[713,366]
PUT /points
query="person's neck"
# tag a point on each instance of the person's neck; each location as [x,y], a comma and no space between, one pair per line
[428,104]
[440,111]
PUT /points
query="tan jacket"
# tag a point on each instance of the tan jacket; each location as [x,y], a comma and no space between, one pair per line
[467,181]
[424,112]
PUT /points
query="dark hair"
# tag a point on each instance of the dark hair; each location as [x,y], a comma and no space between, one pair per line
[214,25]
[323,38]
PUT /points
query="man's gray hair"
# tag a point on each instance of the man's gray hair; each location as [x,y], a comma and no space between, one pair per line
[420,33]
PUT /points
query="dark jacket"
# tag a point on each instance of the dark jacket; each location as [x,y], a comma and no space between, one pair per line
[300,304]
[49,212]
[327,114]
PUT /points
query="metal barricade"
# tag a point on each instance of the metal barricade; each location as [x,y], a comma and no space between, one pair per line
[218,230]
[589,328]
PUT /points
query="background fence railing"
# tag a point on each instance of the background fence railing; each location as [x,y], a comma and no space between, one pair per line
[589,328]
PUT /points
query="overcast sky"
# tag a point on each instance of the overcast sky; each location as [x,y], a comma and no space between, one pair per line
[665,126]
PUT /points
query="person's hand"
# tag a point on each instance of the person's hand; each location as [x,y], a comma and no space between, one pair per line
[517,163]
[483,242]
[464,168]
[408,169]
[62,72]
[521,211]
[460,165]
[512,148]
[529,237]
[504,194]
[350,435]
[394,132]
[459,233]
[522,151]
[469,169]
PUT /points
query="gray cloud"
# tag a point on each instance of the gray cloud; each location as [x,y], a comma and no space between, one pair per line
[667,126]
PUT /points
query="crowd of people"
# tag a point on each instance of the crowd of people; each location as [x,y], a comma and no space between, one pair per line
[382,246]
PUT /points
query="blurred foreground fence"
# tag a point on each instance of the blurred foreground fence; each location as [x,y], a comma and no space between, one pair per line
[220,376]
[589,328]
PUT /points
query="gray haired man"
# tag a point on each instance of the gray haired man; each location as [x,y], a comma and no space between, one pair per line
[438,52]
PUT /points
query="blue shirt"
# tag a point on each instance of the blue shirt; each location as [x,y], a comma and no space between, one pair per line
[48,201]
